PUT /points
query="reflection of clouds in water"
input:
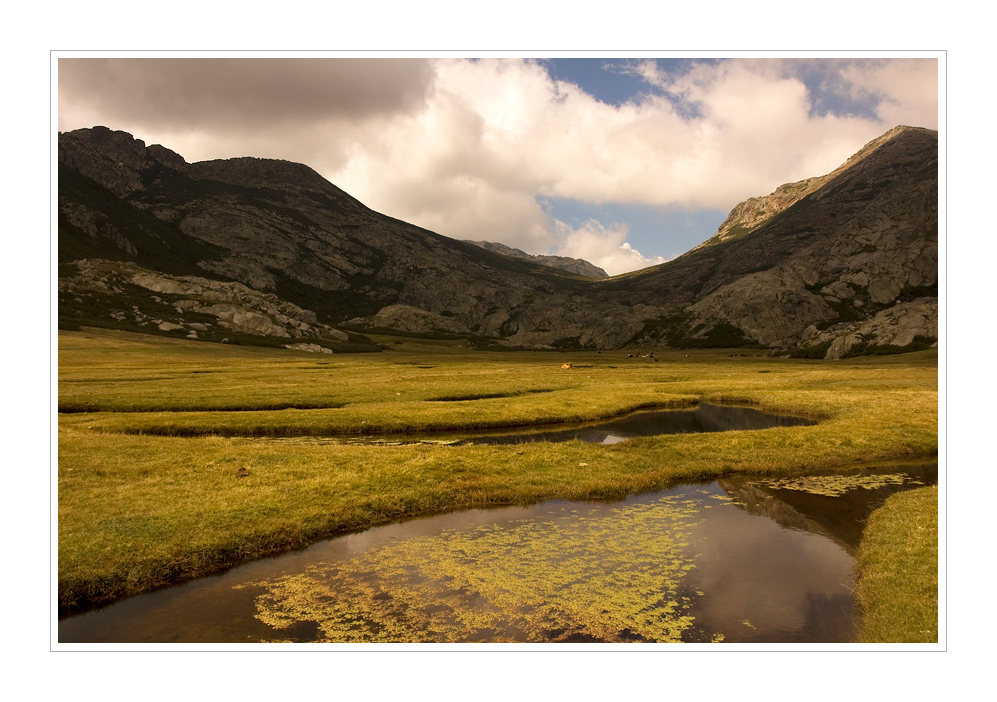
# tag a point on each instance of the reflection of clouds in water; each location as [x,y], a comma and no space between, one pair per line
[431,526]
[598,568]
[610,575]
[750,568]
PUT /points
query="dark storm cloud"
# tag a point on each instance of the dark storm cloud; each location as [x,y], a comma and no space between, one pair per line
[241,93]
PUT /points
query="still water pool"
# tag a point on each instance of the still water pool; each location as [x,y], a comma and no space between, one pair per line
[704,418]
[738,560]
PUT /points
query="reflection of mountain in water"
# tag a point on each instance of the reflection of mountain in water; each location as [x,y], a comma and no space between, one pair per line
[718,418]
[840,518]
[758,500]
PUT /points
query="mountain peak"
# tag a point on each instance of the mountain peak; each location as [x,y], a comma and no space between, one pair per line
[276,174]
[754,212]
[113,158]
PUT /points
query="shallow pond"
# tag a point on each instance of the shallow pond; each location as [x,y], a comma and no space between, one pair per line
[738,560]
[703,418]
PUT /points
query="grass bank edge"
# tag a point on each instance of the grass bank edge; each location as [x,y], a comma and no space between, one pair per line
[897,570]
[187,488]
[159,525]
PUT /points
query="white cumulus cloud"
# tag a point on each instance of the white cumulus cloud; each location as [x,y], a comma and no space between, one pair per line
[604,246]
[470,148]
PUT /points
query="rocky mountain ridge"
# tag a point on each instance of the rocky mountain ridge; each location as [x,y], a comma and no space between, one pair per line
[805,268]
[577,266]
[851,244]
[748,215]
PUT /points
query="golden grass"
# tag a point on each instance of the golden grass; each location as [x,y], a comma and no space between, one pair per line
[139,508]
[898,570]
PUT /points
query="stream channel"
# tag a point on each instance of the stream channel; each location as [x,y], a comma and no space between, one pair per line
[740,560]
[704,418]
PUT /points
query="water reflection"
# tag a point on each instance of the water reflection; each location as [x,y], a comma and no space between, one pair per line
[703,418]
[742,560]
[764,583]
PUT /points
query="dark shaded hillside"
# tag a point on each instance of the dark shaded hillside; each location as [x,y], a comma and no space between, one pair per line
[274,226]
[94,223]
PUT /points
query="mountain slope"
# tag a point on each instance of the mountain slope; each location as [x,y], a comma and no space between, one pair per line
[839,249]
[813,265]
[276,227]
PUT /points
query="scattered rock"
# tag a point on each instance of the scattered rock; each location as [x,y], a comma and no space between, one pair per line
[313,348]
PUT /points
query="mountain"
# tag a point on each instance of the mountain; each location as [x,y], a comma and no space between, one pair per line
[277,228]
[265,251]
[577,266]
[837,256]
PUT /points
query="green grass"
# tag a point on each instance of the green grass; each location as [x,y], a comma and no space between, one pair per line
[898,570]
[153,488]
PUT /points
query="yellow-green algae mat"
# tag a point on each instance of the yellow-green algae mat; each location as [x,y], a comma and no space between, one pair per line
[837,485]
[612,577]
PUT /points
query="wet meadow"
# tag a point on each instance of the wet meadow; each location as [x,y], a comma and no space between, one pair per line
[179,459]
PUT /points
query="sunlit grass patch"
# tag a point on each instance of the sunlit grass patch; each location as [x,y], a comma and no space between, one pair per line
[898,570]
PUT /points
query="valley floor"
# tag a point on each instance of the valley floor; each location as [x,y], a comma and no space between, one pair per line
[179,458]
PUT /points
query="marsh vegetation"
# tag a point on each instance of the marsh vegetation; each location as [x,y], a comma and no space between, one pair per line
[734,560]
[178,459]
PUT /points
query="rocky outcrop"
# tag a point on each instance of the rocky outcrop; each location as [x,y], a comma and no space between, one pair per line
[409,319]
[898,326]
[754,211]
[192,304]
[235,306]
[771,308]
[310,348]
[113,159]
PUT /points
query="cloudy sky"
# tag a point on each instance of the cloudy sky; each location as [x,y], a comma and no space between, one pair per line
[625,162]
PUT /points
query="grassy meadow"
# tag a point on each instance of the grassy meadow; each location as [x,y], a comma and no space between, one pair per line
[179,458]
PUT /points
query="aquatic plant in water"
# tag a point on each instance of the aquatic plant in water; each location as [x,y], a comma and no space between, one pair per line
[613,577]
[837,485]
